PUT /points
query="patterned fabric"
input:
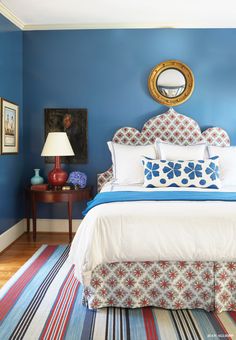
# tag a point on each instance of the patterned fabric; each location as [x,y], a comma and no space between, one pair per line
[225,286]
[163,173]
[216,137]
[104,178]
[162,284]
[171,127]
[165,284]
[43,301]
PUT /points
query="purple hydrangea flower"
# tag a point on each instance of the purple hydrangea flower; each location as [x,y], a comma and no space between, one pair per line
[77,178]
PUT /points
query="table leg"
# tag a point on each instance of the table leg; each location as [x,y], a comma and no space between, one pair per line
[27,210]
[70,219]
[34,216]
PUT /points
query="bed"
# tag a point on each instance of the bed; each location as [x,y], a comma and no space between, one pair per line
[165,247]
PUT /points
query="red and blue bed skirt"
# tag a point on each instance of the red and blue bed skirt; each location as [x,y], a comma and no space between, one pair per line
[166,284]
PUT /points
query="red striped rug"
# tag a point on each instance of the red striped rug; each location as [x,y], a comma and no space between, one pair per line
[43,301]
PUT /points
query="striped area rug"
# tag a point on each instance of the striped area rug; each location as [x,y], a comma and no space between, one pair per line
[43,301]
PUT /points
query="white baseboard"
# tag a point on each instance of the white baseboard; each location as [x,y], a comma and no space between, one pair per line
[43,225]
[55,226]
[12,234]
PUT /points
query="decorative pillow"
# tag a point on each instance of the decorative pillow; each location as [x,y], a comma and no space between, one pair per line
[163,173]
[173,151]
[227,162]
[127,162]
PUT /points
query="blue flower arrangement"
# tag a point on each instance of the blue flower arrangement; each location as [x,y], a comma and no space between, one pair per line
[77,178]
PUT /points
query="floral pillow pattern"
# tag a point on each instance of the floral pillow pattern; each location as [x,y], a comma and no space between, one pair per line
[164,173]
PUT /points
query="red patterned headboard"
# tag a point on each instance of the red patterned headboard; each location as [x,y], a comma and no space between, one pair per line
[170,126]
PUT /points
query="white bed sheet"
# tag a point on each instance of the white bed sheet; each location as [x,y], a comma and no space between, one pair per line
[139,187]
[153,231]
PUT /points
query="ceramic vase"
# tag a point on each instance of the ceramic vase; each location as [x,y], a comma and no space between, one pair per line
[36,179]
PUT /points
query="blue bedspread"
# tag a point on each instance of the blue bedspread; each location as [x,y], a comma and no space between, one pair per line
[127,196]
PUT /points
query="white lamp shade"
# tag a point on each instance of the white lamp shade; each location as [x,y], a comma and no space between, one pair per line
[57,144]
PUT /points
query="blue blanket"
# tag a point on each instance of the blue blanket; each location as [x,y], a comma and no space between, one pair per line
[128,196]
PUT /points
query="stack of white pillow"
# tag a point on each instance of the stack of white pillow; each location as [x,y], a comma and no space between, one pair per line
[128,167]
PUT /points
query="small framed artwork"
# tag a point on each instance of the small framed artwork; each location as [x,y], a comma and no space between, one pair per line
[9,127]
[74,123]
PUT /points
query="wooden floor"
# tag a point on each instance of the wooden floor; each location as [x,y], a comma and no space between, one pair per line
[22,249]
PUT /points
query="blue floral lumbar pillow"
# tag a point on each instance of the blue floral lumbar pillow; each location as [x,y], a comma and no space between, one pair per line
[199,173]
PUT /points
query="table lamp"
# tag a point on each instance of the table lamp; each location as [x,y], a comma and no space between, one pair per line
[57,144]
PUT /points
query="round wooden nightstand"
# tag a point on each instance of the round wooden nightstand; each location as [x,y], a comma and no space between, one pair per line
[54,196]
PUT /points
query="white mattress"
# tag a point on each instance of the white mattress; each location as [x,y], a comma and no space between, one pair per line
[153,231]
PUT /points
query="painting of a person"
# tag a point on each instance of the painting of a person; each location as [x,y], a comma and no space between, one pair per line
[73,132]
[74,123]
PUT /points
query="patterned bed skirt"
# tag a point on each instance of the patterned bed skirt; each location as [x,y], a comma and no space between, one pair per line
[166,284]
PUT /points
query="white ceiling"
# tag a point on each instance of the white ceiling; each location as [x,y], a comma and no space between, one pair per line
[41,14]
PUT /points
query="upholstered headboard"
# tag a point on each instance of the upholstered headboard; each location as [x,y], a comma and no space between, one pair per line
[170,126]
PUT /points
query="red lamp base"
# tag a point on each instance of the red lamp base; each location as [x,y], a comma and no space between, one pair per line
[57,176]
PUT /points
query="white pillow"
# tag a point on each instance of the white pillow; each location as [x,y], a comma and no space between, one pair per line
[127,162]
[180,152]
[227,162]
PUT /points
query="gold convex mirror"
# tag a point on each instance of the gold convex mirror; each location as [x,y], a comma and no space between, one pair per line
[171,82]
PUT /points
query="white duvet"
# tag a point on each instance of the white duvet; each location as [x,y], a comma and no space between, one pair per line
[154,230]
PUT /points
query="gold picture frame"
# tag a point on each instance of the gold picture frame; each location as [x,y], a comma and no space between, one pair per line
[9,127]
[186,90]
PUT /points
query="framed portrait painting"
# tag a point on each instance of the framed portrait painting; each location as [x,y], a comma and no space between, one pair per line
[9,127]
[74,123]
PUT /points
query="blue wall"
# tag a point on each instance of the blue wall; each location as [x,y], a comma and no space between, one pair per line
[11,88]
[106,71]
